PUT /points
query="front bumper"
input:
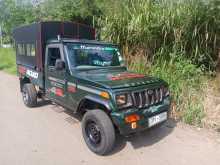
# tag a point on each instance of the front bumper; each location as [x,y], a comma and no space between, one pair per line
[126,129]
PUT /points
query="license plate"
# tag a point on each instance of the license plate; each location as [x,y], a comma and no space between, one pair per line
[157,119]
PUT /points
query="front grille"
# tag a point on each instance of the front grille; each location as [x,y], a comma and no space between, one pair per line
[147,97]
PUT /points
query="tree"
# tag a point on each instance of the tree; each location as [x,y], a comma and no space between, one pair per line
[13,15]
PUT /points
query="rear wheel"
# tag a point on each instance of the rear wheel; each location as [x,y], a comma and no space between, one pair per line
[29,95]
[98,132]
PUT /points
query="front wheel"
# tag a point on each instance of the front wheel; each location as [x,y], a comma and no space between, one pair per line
[98,132]
[29,95]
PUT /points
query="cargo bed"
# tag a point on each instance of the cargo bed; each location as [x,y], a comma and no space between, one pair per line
[31,40]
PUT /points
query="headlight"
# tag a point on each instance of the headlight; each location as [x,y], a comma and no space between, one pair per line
[123,100]
[166,91]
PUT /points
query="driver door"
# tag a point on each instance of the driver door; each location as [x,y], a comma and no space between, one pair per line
[55,80]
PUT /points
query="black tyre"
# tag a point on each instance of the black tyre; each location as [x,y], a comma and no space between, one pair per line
[98,132]
[29,95]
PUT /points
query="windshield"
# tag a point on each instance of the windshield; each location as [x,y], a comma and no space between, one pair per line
[93,55]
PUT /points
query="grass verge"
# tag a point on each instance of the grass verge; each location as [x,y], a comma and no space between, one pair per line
[7,60]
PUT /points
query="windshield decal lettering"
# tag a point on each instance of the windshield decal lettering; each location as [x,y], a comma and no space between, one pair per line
[101,63]
[84,47]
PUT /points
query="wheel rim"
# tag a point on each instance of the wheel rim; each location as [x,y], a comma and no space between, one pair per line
[93,133]
[25,96]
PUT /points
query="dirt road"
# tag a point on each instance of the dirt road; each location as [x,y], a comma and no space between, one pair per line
[49,135]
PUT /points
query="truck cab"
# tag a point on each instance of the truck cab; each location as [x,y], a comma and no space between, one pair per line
[89,77]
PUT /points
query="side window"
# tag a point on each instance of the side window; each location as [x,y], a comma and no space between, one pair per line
[30,50]
[33,50]
[21,49]
[53,55]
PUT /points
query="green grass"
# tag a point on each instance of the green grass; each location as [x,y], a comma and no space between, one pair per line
[7,60]
[194,111]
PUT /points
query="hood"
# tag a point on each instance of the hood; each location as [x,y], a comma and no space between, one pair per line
[116,79]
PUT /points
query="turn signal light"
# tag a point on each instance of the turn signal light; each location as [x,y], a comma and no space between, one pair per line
[132,118]
[105,95]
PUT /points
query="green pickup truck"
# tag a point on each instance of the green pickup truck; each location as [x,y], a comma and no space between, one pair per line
[62,61]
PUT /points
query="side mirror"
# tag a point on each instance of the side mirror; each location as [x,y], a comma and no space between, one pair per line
[59,65]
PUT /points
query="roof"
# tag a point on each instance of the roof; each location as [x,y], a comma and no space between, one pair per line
[84,41]
[45,31]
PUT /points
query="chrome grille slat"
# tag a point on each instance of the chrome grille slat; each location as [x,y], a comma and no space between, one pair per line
[147,98]
[161,94]
[152,99]
[156,96]
[141,100]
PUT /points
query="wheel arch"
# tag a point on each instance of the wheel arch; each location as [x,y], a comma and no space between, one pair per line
[23,81]
[92,102]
